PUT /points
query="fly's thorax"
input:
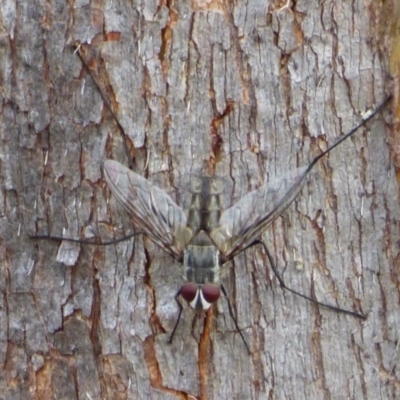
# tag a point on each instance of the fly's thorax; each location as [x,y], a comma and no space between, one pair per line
[201,260]
[205,206]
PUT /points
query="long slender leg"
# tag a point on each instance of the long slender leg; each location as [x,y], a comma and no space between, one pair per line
[179,316]
[234,318]
[95,242]
[348,134]
[86,241]
[283,285]
[126,149]
[108,106]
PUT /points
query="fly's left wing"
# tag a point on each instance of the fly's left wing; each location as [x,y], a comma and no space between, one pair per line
[151,208]
[246,220]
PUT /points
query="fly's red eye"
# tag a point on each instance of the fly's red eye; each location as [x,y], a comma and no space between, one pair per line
[211,293]
[188,291]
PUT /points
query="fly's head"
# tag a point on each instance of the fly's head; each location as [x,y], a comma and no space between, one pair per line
[200,296]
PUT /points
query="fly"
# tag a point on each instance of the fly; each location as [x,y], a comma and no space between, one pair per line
[205,237]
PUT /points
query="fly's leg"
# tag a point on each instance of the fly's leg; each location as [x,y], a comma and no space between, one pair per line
[78,51]
[347,135]
[179,316]
[234,318]
[283,286]
[85,241]
[230,313]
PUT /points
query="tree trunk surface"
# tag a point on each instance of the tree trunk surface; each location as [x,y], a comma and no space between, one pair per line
[246,91]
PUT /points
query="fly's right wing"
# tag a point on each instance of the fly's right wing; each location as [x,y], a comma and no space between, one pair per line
[150,207]
[246,220]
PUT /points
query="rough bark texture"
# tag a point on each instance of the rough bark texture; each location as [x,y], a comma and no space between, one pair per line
[246,91]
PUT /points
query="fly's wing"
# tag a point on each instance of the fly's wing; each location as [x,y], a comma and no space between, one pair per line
[246,220]
[150,207]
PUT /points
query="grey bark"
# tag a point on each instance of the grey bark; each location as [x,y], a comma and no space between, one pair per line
[246,91]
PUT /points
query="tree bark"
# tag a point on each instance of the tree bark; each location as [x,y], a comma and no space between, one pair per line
[246,91]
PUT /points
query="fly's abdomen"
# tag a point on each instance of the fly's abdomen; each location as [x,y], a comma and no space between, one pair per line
[204,208]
